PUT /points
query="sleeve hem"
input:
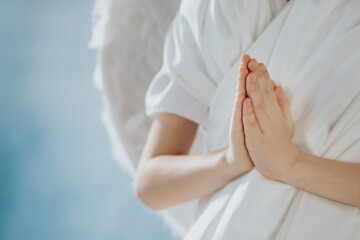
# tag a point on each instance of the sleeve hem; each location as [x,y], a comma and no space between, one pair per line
[199,118]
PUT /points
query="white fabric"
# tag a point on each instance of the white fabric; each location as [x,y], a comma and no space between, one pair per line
[166,95]
[311,48]
[205,40]
[129,37]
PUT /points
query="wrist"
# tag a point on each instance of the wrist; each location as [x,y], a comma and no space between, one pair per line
[290,172]
[222,165]
[235,167]
[229,160]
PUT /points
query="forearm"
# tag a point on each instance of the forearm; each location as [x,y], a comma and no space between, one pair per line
[332,179]
[168,180]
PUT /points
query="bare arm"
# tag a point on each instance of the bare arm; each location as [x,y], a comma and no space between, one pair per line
[268,133]
[166,175]
[332,179]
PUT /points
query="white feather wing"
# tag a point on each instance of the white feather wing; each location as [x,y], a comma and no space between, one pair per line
[129,37]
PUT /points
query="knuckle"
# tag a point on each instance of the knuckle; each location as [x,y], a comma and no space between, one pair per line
[252,63]
[243,70]
[240,96]
[262,67]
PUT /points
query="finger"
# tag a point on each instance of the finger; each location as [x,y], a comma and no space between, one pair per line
[240,88]
[243,71]
[252,65]
[253,91]
[273,84]
[236,120]
[251,127]
[245,58]
[267,90]
[240,96]
[283,103]
[264,82]
[266,87]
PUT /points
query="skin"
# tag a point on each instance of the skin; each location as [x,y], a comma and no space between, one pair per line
[260,135]
[268,132]
[167,175]
[237,155]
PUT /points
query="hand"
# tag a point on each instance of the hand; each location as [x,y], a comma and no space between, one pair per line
[236,154]
[267,124]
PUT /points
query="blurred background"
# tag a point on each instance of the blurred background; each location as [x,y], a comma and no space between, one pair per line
[58,178]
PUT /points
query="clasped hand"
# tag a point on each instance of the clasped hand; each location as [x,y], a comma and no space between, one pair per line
[261,127]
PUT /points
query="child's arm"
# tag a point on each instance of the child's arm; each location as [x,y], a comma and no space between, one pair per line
[332,179]
[268,133]
[167,175]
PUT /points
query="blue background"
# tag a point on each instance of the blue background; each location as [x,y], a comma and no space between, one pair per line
[58,179]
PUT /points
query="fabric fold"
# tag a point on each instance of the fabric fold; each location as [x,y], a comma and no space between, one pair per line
[319,72]
[311,48]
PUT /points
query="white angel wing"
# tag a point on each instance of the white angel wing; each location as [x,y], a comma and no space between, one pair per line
[129,36]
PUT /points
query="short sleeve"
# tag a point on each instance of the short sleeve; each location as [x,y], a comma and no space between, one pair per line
[166,95]
[183,86]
